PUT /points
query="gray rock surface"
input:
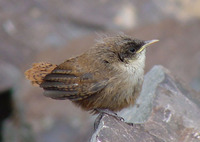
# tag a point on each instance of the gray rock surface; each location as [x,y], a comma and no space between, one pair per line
[112,130]
[165,111]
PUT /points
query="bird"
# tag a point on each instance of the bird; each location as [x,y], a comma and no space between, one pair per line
[108,76]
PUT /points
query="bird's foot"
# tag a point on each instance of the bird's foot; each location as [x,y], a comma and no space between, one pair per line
[108,112]
[97,121]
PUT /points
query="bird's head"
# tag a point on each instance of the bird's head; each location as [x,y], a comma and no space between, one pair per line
[123,48]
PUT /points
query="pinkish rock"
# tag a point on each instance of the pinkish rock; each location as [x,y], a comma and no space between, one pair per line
[166,111]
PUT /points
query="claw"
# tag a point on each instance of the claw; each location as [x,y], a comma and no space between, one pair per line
[111,113]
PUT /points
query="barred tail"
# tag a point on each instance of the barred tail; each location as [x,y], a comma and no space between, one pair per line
[38,71]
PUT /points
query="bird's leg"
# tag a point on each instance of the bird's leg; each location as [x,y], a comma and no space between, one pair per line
[97,121]
[109,112]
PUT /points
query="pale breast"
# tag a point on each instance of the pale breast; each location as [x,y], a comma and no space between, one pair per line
[132,71]
[130,78]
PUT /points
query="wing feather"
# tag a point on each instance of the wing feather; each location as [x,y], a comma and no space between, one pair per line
[71,83]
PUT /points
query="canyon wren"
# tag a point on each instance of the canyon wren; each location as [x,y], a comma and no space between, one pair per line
[107,76]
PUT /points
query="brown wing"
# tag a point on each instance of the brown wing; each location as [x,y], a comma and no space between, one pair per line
[71,82]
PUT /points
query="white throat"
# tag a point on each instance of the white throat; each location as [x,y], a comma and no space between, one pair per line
[134,67]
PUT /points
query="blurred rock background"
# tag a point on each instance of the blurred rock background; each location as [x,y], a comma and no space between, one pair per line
[52,31]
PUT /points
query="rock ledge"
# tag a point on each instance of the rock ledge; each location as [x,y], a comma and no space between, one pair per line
[166,111]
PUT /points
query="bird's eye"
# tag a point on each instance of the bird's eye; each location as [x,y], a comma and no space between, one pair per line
[132,50]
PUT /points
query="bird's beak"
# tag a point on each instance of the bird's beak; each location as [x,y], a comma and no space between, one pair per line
[147,43]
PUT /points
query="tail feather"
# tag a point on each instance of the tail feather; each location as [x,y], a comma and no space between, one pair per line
[38,71]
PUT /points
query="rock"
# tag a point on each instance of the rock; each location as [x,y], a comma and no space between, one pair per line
[112,130]
[165,111]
